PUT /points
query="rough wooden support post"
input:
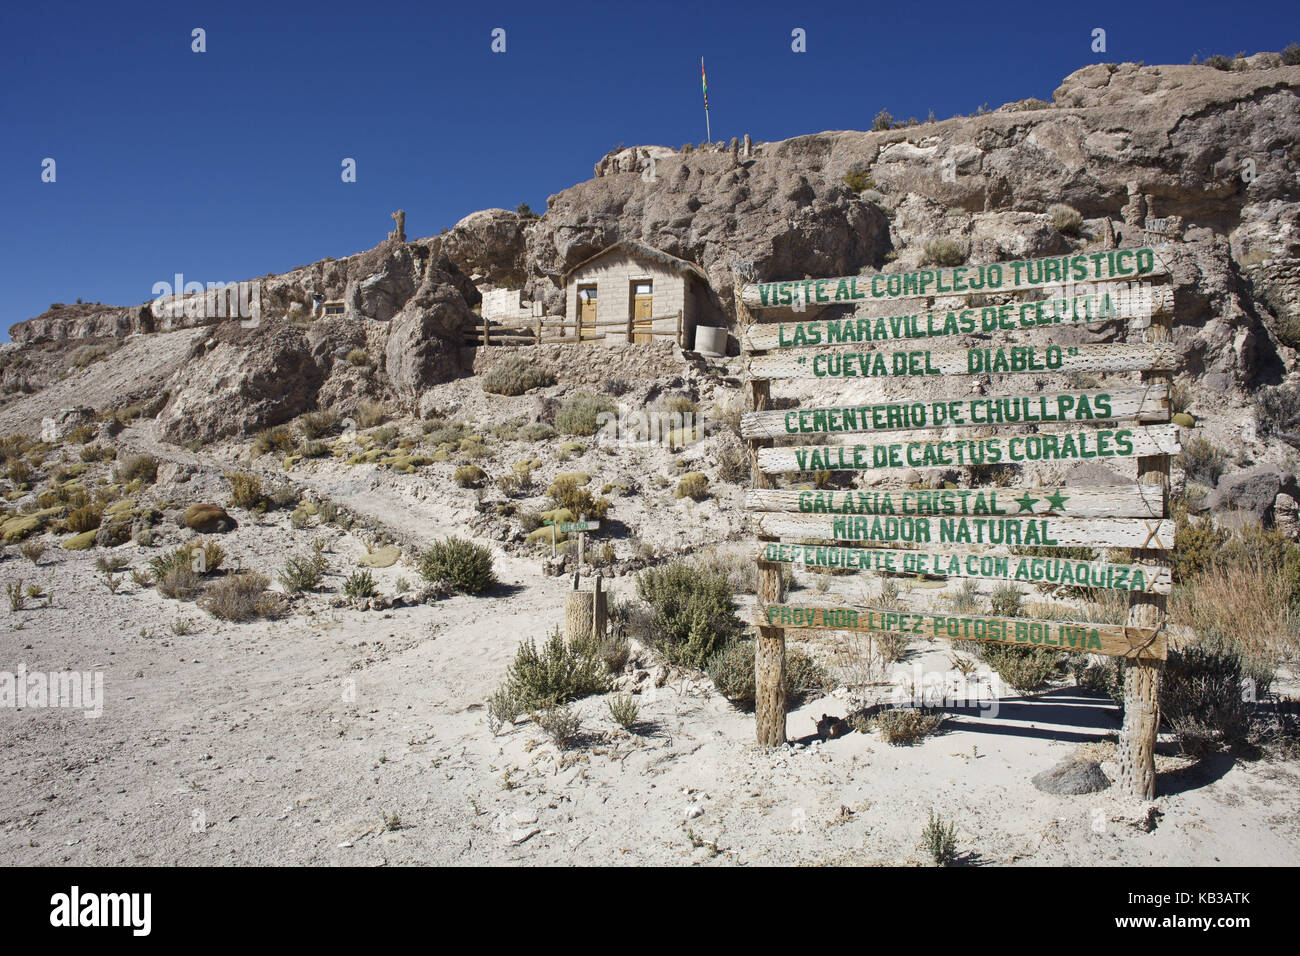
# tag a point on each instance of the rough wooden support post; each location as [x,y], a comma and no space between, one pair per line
[584,615]
[630,335]
[539,331]
[769,648]
[485,330]
[1137,738]
[680,343]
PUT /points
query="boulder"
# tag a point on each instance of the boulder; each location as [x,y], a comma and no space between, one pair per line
[488,246]
[424,342]
[1072,776]
[241,381]
[208,519]
[380,281]
[1253,490]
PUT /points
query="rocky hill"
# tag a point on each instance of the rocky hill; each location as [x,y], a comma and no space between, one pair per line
[1214,154]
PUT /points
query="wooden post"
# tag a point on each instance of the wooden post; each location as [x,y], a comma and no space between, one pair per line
[584,615]
[597,622]
[485,330]
[539,331]
[769,648]
[680,343]
[1137,738]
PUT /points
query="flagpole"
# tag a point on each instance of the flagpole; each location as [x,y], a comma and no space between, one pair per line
[708,133]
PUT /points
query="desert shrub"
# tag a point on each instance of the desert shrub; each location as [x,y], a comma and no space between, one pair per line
[278,439]
[624,710]
[90,453]
[1291,55]
[357,357]
[241,597]
[579,415]
[137,468]
[859,180]
[371,413]
[566,492]
[693,485]
[1277,409]
[19,472]
[732,673]
[1005,601]
[1219,62]
[317,425]
[85,518]
[245,491]
[470,476]
[554,673]
[939,840]
[179,582]
[1201,691]
[536,431]
[32,550]
[966,599]
[905,726]
[1065,219]
[516,375]
[360,584]
[561,724]
[692,612]
[463,565]
[884,120]
[943,252]
[302,573]
[384,437]
[892,645]
[733,462]
[1025,669]
[1202,460]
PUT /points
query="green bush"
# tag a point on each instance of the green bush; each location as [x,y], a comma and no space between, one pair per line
[463,565]
[884,120]
[905,726]
[516,375]
[1202,461]
[943,252]
[566,492]
[241,597]
[939,839]
[859,180]
[1201,696]
[579,415]
[693,485]
[142,467]
[732,673]
[1065,219]
[302,573]
[245,491]
[692,612]
[535,431]
[470,476]
[317,425]
[360,584]
[1024,669]
[552,674]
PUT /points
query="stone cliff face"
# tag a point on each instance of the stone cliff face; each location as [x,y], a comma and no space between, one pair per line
[1123,144]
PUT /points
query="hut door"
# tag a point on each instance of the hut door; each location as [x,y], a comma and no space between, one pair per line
[642,311]
[587,310]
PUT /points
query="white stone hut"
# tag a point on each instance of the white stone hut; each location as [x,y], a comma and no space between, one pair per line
[631,292]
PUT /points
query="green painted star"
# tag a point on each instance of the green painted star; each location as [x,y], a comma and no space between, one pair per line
[1057,501]
[1026,503]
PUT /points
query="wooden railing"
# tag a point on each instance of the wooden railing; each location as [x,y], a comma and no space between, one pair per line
[558,330]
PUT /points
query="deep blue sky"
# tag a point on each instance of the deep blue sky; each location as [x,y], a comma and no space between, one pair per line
[225,165]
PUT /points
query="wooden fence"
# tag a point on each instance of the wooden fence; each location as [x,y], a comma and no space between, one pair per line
[559,330]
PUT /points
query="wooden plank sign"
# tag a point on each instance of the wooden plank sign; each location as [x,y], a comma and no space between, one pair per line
[1105,266]
[1038,531]
[1120,442]
[1140,404]
[568,527]
[1025,569]
[1125,501]
[994,360]
[1115,640]
[1135,305]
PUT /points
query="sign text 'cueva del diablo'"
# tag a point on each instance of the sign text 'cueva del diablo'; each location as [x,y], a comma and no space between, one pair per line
[1120,501]
[1112,639]
[1137,304]
[1100,443]
[1112,265]
[993,360]
[1140,404]
[1036,569]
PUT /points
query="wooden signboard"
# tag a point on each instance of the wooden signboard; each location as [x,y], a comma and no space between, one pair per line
[1062,572]
[1035,532]
[991,360]
[967,532]
[1121,501]
[1133,305]
[1137,404]
[568,527]
[1116,640]
[1101,443]
[1111,265]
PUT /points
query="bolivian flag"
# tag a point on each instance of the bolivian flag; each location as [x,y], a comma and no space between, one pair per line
[704,83]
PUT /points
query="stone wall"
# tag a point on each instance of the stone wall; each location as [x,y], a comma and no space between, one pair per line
[589,365]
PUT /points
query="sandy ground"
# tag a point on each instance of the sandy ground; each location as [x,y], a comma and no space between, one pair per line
[295,741]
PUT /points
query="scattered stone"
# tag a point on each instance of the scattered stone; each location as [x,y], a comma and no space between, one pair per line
[1072,776]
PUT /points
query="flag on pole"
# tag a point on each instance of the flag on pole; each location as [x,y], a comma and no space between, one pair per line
[704,83]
